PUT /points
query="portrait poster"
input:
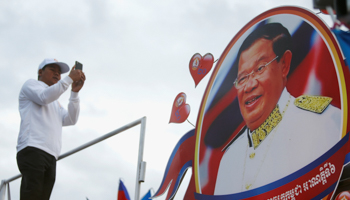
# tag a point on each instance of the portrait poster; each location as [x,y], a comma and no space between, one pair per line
[302,151]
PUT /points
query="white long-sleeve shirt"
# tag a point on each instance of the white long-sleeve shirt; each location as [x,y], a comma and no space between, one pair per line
[42,117]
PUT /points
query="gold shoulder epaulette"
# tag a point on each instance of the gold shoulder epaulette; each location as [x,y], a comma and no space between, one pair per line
[315,104]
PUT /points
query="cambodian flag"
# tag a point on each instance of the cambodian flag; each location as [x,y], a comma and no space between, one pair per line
[122,192]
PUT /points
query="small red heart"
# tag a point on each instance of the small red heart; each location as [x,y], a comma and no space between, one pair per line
[200,66]
[343,196]
[180,110]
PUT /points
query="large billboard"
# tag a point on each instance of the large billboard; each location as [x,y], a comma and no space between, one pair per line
[273,119]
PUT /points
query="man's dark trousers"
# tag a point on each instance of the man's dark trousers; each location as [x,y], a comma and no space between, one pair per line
[38,170]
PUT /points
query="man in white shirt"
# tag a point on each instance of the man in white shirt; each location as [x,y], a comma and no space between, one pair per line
[42,118]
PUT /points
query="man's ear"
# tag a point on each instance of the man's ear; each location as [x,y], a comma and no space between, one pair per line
[286,60]
[40,73]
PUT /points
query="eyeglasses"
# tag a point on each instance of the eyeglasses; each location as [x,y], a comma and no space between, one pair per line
[242,80]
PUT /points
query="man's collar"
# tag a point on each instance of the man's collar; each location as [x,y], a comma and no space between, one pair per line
[282,102]
[258,135]
[43,83]
[284,98]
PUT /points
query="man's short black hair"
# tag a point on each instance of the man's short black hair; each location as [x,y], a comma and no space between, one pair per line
[276,32]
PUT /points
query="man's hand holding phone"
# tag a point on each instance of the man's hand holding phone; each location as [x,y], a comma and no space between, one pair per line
[78,77]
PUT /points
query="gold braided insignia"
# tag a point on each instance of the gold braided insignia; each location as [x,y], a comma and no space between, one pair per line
[264,130]
[315,104]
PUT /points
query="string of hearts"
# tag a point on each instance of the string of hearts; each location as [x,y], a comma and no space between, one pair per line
[199,67]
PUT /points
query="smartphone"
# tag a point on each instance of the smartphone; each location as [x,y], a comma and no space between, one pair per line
[78,65]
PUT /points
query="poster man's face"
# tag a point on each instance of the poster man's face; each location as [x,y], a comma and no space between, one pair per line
[260,94]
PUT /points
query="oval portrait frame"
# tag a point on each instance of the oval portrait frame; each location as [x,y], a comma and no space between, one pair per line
[219,96]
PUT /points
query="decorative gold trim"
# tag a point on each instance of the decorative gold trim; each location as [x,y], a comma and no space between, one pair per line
[316,104]
[270,123]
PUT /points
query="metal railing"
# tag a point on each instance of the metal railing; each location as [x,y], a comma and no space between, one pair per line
[141,165]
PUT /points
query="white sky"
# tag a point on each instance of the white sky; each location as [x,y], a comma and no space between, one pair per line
[135,55]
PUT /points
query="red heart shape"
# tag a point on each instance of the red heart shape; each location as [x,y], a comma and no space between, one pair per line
[180,110]
[200,66]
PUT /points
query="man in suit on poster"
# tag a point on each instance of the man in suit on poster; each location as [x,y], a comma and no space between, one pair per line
[282,133]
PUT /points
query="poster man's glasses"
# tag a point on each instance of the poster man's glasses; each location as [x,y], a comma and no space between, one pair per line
[242,79]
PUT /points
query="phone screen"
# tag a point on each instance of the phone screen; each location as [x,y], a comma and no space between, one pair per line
[78,65]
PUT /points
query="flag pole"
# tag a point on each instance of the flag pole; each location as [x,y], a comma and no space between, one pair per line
[141,165]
